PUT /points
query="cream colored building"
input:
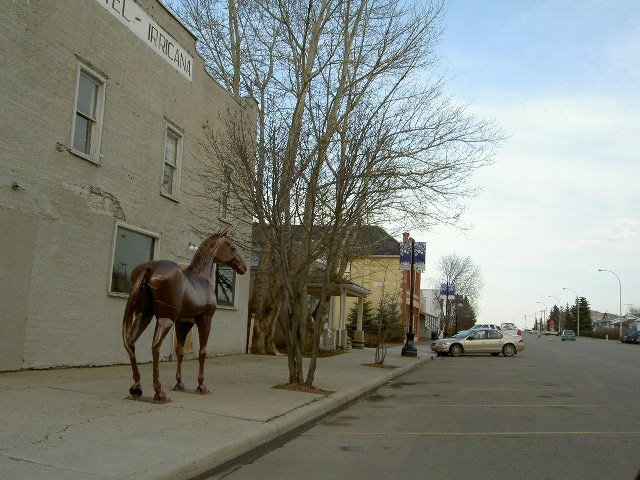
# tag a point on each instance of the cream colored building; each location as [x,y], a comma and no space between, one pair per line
[376,267]
[102,111]
[378,270]
[379,274]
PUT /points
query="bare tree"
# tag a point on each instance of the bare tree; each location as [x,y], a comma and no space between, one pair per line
[467,280]
[350,131]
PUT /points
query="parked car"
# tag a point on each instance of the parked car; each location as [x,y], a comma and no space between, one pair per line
[510,328]
[568,335]
[484,340]
[492,326]
[631,337]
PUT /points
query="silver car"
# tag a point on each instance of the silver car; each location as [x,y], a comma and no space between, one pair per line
[484,340]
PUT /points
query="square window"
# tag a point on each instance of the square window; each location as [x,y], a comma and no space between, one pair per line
[131,249]
[172,159]
[225,286]
[87,121]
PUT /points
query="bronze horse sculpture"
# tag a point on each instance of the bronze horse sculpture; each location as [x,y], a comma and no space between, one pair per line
[161,288]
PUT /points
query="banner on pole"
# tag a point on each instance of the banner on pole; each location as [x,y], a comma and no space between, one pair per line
[419,254]
[447,291]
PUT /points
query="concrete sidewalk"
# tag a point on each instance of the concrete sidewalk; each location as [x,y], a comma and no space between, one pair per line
[76,423]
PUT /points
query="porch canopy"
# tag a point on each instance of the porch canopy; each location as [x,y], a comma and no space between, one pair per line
[341,290]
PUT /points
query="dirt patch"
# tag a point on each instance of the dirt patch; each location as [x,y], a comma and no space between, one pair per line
[378,365]
[327,353]
[296,387]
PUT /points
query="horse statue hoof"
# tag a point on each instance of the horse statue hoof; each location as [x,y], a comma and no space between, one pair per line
[161,397]
[179,387]
[135,390]
[202,389]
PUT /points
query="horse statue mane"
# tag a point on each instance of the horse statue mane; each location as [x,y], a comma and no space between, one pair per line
[200,257]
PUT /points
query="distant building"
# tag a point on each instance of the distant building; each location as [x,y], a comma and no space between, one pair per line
[103,105]
[430,312]
[601,321]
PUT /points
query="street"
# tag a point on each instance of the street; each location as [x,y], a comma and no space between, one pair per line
[558,410]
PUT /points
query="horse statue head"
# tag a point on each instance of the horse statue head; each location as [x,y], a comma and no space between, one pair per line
[223,251]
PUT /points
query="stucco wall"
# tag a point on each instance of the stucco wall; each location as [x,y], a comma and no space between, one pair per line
[371,273]
[60,229]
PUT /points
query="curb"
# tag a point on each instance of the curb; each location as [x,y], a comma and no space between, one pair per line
[255,442]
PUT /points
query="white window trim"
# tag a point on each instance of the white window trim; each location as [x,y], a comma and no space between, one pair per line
[235,292]
[175,196]
[96,137]
[156,249]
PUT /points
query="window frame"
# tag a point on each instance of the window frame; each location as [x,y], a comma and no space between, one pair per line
[175,190]
[141,231]
[234,304]
[96,130]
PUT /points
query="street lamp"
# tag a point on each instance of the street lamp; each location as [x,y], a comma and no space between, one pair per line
[559,311]
[409,349]
[577,310]
[544,315]
[620,284]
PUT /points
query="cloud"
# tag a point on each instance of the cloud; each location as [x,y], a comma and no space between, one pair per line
[623,230]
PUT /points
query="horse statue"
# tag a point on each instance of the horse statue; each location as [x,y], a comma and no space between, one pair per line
[175,296]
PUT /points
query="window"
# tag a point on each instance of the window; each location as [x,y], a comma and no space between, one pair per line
[87,121]
[225,286]
[130,250]
[172,159]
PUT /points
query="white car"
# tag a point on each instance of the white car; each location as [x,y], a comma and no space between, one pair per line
[491,326]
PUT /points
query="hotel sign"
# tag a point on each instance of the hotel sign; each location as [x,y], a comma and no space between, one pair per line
[142,25]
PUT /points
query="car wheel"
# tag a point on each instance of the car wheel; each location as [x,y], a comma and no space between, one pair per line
[508,350]
[455,350]
[495,354]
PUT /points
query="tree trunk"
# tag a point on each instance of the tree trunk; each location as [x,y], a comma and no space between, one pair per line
[315,349]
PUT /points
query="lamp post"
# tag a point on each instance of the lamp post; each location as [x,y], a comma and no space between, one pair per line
[620,284]
[577,310]
[544,316]
[559,311]
[409,349]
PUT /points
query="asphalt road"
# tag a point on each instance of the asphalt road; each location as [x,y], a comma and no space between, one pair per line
[558,410]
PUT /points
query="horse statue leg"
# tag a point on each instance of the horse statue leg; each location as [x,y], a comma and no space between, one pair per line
[140,324]
[137,316]
[182,330]
[163,325]
[204,327]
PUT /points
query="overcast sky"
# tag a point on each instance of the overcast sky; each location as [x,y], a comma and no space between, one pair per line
[562,200]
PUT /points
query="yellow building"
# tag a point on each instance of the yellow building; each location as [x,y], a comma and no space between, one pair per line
[375,265]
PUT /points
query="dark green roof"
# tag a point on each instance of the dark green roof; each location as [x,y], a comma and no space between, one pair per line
[370,240]
[374,240]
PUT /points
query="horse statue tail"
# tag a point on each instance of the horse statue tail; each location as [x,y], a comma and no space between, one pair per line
[129,312]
